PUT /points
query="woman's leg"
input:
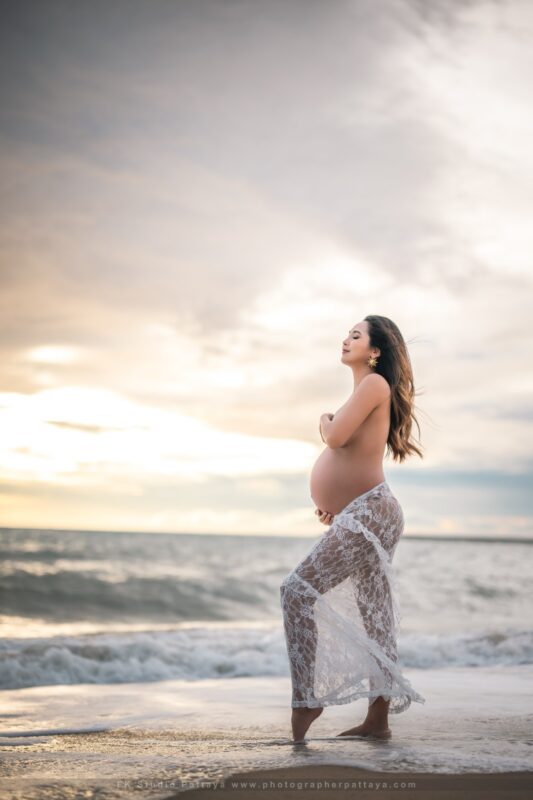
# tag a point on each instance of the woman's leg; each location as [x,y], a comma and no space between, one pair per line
[329,563]
[317,572]
[374,599]
[373,594]
[371,583]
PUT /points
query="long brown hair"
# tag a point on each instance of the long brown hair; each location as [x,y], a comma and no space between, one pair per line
[395,366]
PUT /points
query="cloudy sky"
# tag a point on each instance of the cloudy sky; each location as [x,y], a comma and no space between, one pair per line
[201,198]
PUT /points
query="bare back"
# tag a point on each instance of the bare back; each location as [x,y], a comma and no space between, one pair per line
[343,473]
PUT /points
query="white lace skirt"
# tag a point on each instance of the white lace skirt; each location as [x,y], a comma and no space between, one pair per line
[341,613]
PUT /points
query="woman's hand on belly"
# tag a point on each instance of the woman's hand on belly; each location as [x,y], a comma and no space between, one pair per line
[325,516]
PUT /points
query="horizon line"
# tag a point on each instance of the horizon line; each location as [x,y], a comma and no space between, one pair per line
[423,536]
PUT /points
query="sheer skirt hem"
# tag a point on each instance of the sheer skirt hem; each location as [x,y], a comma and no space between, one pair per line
[357,696]
[400,697]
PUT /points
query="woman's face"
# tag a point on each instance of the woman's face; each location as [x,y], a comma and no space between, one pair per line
[356,345]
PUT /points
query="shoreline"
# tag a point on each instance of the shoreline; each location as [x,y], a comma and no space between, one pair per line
[329,781]
[157,740]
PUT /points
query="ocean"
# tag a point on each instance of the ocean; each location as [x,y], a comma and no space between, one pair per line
[185,622]
[123,607]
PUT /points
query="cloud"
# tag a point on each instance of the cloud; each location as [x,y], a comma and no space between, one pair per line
[201,198]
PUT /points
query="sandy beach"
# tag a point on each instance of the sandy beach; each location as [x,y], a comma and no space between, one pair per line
[158,739]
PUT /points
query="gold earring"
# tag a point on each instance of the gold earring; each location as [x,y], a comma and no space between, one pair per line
[371,361]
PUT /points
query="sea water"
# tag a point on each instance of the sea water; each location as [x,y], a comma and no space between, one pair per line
[180,638]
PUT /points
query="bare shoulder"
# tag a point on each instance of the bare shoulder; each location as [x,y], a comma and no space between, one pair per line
[377,385]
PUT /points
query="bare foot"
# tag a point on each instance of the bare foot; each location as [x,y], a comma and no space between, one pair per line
[369,730]
[302,719]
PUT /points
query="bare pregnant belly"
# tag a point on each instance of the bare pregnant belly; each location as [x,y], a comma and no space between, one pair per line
[338,477]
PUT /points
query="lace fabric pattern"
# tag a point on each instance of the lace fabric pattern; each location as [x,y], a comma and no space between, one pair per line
[341,613]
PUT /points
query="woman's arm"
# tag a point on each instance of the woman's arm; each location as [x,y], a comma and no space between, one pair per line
[372,391]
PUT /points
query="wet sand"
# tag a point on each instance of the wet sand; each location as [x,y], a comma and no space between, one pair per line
[156,740]
[325,782]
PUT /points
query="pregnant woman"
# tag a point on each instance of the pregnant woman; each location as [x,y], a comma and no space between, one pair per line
[340,608]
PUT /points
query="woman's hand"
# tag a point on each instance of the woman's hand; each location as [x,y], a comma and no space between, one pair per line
[325,516]
[322,418]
